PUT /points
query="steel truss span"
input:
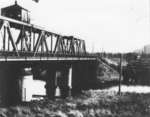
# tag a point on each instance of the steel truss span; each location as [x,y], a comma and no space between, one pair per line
[22,40]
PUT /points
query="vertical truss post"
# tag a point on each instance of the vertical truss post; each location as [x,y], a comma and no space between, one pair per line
[8,44]
[21,39]
[51,43]
[42,44]
[4,38]
[33,40]
[30,36]
[84,47]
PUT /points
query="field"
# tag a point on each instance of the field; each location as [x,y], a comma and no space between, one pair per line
[92,103]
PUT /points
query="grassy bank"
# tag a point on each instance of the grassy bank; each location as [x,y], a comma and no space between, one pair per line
[92,103]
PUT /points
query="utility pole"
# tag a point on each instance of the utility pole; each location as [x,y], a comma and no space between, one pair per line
[120,74]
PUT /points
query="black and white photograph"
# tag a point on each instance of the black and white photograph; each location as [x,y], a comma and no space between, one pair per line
[74,58]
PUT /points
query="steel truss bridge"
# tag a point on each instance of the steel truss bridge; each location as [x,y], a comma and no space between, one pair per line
[23,41]
[53,58]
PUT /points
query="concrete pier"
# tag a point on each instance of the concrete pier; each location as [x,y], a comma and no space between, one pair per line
[70,81]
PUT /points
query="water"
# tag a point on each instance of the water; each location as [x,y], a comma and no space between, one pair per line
[132,89]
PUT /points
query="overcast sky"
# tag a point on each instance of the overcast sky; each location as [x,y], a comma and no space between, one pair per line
[108,25]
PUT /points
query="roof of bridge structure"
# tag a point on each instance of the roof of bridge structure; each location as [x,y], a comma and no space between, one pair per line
[16,5]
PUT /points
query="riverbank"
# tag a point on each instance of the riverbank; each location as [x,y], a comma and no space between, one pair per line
[92,103]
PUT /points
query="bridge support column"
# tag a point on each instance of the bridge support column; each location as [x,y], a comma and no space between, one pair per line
[70,81]
[50,84]
[59,81]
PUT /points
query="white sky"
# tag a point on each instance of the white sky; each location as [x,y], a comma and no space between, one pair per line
[108,25]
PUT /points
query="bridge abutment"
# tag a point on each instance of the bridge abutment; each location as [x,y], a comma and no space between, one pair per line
[84,76]
[9,83]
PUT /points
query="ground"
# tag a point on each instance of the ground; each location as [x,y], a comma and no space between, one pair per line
[92,103]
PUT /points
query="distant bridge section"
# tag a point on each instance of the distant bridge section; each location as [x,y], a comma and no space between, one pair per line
[23,41]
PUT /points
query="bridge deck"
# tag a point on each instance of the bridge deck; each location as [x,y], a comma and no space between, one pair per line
[28,56]
[46,59]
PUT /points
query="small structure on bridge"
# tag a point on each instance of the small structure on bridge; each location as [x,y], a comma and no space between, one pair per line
[16,12]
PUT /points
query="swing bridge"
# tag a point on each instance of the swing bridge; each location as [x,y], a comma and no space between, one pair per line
[50,57]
